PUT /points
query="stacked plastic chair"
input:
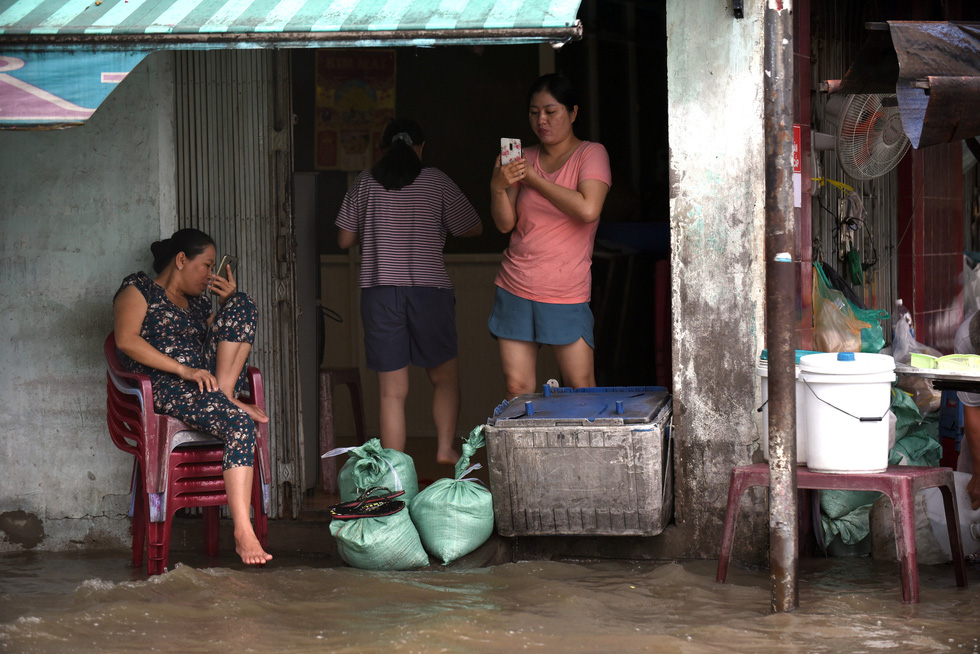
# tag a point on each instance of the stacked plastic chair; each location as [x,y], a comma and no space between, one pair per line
[175,467]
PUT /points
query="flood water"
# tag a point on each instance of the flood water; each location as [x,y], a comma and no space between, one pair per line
[97,603]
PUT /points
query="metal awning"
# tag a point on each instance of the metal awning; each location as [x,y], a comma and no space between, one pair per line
[60,58]
[197,24]
[933,68]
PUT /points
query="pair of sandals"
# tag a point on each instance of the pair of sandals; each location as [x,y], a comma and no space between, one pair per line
[375,502]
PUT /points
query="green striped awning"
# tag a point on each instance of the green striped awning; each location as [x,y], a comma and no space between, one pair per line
[60,58]
[197,24]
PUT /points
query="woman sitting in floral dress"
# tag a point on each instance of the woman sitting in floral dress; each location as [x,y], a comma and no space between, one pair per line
[195,359]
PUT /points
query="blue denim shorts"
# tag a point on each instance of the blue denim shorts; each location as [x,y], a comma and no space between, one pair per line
[408,324]
[518,319]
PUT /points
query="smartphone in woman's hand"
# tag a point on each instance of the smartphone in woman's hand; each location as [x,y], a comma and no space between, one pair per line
[510,150]
[222,269]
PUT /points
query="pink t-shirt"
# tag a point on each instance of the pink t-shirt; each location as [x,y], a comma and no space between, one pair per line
[549,258]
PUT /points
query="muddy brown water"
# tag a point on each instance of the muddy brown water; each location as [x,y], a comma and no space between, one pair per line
[97,603]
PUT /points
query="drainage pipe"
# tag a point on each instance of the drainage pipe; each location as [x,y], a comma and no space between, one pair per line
[781,303]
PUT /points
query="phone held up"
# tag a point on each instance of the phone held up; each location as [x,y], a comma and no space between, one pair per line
[510,150]
[227,260]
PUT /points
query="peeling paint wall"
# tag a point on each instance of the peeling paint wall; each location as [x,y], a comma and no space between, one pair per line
[79,210]
[717,158]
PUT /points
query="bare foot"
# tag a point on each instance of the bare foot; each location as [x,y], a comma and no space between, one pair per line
[257,414]
[447,457]
[249,548]
[254,412]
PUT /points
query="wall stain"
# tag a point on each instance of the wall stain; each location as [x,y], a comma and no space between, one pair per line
[22,528]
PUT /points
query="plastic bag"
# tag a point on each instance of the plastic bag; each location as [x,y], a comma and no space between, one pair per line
[971,286]
[926,398]
[388,543]
[455,516]
[873,337]
[835,327]
[372,465]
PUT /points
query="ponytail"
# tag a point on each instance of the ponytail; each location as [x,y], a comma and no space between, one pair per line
[400,165]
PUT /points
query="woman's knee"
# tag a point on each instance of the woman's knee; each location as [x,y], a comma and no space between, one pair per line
[445,373]
[518,386]
[240,301]
[236,320]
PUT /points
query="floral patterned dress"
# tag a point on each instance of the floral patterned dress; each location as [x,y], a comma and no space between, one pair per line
[184,335]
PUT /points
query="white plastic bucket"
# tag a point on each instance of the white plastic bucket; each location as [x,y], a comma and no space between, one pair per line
[801,429]
[847,398]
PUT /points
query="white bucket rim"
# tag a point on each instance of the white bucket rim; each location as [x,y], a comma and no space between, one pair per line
[763,371]
[868,378]
[864,363]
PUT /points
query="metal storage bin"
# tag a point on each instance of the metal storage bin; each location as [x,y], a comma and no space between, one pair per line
[582,462]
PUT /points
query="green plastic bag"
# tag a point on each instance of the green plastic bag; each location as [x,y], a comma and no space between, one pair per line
[372,465]
[840,326]
[387,543]
[455,516]
[873,337]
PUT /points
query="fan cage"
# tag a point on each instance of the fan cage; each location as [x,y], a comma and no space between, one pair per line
[870,140]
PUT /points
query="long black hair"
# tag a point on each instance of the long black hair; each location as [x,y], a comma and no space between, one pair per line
[400,165]
[190,241]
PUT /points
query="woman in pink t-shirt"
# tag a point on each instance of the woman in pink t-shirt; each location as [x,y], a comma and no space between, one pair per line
[550,202]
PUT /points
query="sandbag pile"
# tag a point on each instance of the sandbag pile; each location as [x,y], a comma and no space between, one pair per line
[383,522]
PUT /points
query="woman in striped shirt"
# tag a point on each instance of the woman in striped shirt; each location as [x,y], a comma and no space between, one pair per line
[401,212]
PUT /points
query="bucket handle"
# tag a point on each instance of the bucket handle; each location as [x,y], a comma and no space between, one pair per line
[858,418]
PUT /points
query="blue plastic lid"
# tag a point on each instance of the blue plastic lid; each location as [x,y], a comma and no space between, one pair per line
[845,356]
[631,404]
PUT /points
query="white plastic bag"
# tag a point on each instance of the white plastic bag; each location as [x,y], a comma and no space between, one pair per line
[971,286]
[969,518]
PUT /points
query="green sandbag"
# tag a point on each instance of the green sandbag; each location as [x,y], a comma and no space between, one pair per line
[455,516]
[386,543]
[371,465]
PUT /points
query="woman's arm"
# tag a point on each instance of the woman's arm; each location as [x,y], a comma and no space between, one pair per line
[475,230]
[503,193]
[584,203]
[346,238]
[129,310]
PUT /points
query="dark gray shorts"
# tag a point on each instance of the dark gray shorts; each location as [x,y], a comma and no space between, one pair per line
[408,324]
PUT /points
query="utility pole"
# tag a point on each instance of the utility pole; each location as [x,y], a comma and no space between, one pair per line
[781,273]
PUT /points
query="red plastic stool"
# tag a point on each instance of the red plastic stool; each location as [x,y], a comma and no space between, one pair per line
[899,483]
[194,480]
[350,377]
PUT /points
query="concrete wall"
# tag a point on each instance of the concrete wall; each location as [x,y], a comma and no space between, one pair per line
[717,158]
[79,210]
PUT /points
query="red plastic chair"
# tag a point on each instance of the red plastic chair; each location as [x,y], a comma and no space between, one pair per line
[175,467]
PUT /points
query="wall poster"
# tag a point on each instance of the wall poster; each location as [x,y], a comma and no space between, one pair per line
[355,99]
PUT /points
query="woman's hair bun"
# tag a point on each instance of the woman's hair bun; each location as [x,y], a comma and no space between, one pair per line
[190,241]
[160,248]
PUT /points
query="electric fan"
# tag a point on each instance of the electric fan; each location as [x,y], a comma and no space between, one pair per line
[869,139]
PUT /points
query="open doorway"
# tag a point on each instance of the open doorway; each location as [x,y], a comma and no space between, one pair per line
[466,98]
